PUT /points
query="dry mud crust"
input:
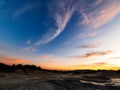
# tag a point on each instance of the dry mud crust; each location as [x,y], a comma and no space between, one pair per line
[57,85]
[75,84]
[29,86]
[50,81]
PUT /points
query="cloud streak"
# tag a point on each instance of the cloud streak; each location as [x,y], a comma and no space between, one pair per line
[91,54]
[28,42]
[94,45]
[89,33]
[95,15]
[96,2]
[89,46]
[101,13]
[61,16]
[29,49]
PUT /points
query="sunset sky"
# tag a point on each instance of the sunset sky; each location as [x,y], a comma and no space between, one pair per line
[61,34]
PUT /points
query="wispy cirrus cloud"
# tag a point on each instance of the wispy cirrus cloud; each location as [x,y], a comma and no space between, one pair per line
[89,46]
[62,16]
[94,15]
[89,33]
[26,49]
[29,49]
[91,54]
[28,42]
[25,8]
[96,2]
[101,13]
[118,57]
[94,45]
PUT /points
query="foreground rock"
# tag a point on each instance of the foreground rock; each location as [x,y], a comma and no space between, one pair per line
[51,81]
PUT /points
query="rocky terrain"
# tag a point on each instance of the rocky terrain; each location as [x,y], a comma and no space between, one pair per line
[56,81]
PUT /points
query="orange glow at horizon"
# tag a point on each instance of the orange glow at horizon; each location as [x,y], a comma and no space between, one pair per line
[97,66]
[13,60]
[51,66]
[56,64]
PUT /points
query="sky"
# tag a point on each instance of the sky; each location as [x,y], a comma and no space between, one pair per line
[61,34]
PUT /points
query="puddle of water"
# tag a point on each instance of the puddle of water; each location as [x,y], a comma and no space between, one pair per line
[115,81]
[94,83]
[111,82]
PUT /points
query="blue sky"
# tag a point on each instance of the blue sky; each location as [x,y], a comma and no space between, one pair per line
[60,34]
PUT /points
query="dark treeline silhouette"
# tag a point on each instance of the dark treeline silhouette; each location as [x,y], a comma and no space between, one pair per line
[34,68]
[18,68]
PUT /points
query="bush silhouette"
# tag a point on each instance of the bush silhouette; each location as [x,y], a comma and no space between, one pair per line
[18,68]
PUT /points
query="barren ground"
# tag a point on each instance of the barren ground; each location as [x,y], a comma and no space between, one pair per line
[53,81]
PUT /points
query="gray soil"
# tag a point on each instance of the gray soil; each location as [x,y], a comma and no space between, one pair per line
[51,81]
